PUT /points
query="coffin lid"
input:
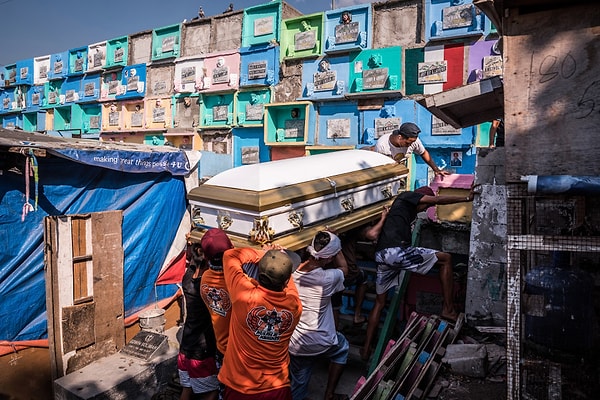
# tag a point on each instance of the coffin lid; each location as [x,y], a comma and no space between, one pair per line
[263,186]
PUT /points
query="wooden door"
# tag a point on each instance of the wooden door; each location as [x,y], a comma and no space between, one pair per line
[84,288]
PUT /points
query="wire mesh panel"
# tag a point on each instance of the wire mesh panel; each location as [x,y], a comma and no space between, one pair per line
[553,256]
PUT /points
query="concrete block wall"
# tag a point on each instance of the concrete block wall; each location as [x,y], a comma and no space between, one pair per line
[486,280]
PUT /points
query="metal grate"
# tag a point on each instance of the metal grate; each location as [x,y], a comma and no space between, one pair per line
[548,230]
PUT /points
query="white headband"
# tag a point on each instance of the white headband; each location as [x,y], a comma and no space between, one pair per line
[333,247]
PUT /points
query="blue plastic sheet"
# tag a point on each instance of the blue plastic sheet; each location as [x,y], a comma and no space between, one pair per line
[174,162]
[153,206]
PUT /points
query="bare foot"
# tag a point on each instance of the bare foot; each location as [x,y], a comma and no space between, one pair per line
[364,355]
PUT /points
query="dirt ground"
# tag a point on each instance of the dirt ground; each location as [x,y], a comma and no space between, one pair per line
[26,374]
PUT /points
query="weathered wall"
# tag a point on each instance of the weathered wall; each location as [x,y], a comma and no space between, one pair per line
[196,38]
[290,82]
[398,23]
[227,32]
[553,63]
[140,48]
[159,79]
[486,280]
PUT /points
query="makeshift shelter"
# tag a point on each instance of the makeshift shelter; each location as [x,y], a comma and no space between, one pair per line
[44,176]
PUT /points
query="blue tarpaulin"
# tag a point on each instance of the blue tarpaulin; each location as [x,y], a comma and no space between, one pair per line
[131,161]
[153,205]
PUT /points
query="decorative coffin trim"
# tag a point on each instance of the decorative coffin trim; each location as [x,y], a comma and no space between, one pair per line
[269,199]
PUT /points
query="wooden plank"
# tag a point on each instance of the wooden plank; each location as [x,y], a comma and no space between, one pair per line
[388,363]
[108,276]
[80,266]
[52,304]
[551,62]
[390,319]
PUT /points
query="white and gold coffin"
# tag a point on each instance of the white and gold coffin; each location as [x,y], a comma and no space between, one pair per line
[262,202]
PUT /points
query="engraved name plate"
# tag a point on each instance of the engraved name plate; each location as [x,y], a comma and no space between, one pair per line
[338,128]
[119,55]
[113,86]
[375,78]
[220,113]
[88,89]
[132,83]
[439,127]
[385,125]
[158,114]
[146,345]
[294,129]
[457,16]
[78,65]
[168,43]
[346,33]
[257,70]
[188,75]
[160,87]
[95,122]
[113,118]
[58,67]
[432,72]
[220,75]
[250,155]
[98,59]
[254,112]
[70,95]
[136,119]
[492,66]
[263,26]
[305,40]
[324,80]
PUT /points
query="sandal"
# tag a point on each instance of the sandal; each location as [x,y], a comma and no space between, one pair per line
[362,321]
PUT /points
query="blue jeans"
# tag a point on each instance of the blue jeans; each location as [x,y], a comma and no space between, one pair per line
[301,366]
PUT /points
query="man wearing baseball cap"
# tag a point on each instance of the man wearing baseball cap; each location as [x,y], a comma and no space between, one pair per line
[401,143]
[264,313]
[212,287]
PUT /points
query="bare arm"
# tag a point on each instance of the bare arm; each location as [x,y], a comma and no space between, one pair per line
[340,263]
[428,160]
[372,232]
[447,199]
[493,128]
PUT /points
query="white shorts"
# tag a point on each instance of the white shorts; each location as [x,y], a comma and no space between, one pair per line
[392,261]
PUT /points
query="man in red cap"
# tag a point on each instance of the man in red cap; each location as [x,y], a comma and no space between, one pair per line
[401,143]
[395,252]
[212,287]
[264,313]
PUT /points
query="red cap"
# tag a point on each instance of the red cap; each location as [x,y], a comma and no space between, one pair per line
[425,190]
[214,243]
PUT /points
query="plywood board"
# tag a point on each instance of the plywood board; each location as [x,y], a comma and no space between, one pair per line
[553,112]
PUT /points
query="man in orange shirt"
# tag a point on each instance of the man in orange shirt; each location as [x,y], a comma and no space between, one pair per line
[265,312]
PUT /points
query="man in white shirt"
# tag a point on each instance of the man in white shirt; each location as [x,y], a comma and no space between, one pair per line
[315,337]
[401,143]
